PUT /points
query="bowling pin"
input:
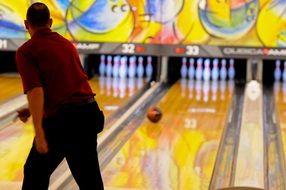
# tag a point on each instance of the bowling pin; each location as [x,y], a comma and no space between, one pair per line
[149,67]
[199,69]
[109,66]
[191,70]
[102,65]
[115,69]
[184,68]
[223,71]
[207,70]
[215,70]
[132,67]
[284,72]
[277,71]
[123,67]
[140,68]
[231,71]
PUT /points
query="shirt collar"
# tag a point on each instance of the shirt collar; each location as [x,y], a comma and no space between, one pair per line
[42,31]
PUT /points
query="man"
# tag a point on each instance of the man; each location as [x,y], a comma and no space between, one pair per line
[66,117]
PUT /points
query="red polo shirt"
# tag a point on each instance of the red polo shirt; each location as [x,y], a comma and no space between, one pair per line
[50,61]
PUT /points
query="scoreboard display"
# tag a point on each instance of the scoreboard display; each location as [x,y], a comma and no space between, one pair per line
[163,27]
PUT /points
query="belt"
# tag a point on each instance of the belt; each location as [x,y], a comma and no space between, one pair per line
[80,103]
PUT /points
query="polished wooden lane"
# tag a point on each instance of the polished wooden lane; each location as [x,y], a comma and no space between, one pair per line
[10,85]
[15,140]
[112,93]
[280,104]
[179,151]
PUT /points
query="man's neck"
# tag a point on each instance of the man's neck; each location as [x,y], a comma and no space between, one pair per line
[34,30]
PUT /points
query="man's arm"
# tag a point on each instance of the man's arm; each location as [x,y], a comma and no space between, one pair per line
[36,105]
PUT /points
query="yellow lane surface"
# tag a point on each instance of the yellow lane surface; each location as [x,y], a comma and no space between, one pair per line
[10,86]
[179,151]
[280,104]
[15,140]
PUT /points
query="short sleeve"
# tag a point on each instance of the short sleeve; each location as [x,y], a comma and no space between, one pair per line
[28,70]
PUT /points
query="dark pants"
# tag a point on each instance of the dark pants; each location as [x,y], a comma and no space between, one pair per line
[71,134]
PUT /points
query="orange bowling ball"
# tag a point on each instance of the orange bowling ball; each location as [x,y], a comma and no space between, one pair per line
[154,114]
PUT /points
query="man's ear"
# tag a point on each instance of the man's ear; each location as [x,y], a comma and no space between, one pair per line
[50,22]
[26,24]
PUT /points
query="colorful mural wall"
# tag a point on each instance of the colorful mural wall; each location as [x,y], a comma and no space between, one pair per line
[206,22]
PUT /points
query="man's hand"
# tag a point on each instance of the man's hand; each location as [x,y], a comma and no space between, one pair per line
[41,144]
[24,114]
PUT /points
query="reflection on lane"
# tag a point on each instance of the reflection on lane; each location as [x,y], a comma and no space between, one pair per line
[15,140]
[280,104]
[10,85]
[179,151]
[112,93]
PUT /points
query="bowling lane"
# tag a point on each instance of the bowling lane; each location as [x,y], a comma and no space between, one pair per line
[179,151]
[10,86]
[113,93]
[280,103]
[15,142]
[16,139]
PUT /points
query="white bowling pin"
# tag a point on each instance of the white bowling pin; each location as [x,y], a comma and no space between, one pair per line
[132,67]
[223,71]
[207,70]
[102,65]
[184,68]
[140,68]
[199,69]
[284,72]
[123,67]
[149,67]
[109,66]
[231,71]
[115,69]
[215,70]
[277,71]
[191,70]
